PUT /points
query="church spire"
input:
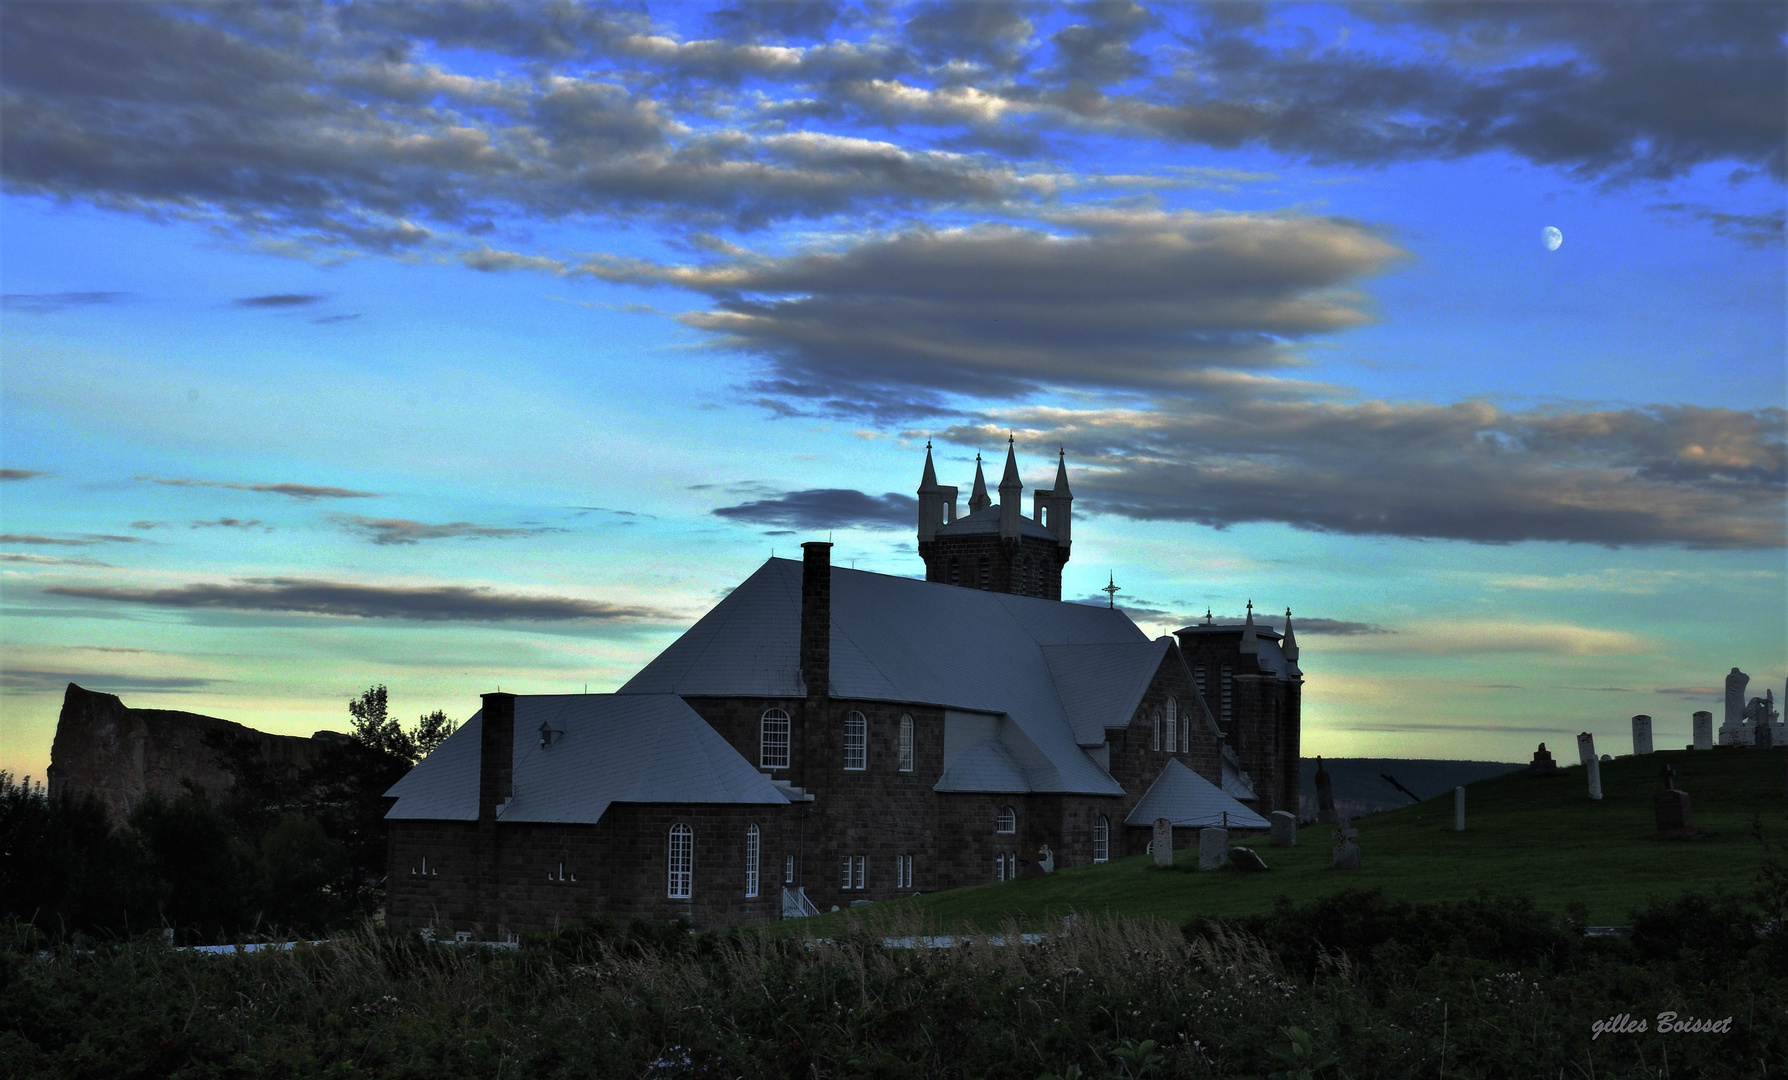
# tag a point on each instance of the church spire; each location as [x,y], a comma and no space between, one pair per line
[1011,492]
[978,499]
[1061,474]
[1290,644]
[928,481]
[1250,643]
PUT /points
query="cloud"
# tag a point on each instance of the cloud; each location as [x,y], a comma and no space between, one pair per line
[45,303]
[227,523]
[330,320]
[20,474]
[428,603]
[1132,299]
[47,560]
[33,680]
[827,508]
[1682,475]
[1693,692]
[401,531]
[280,300]
[1306,624]
[84,540]
[1751,230]
[301,492]
[1481,637]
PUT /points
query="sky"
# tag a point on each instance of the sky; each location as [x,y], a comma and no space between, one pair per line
[471,346]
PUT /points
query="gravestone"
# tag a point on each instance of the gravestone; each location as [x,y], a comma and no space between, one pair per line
[1285,829]
[1163,845]
[1594,769]
[1213,848]
[1542,763]
[1671,807]
[1458,809]
[1764,736]
[1325,794]
[1641,734]
[1704,731]
[1586,748]
[1246,859]
[1347,853]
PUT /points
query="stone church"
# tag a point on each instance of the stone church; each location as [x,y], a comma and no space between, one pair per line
[827,736]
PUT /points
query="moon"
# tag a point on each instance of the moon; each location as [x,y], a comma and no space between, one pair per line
[1551,237]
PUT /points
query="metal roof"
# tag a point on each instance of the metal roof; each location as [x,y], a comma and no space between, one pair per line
[987,520]
[1188,799]
[607,748]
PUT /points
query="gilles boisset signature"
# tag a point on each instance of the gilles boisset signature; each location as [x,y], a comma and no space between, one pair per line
[1624,1024]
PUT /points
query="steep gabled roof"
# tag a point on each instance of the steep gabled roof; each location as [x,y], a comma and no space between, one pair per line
[1100,685]
[607,748]
[1188,799]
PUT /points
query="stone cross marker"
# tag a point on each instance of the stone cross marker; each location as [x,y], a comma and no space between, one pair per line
[1594,768]
[1347,853]
[1285,829]
[1586,748]
[1641,734]
[1325,794]
[1458,809]
[1671,807]
[1704,731]
[1163,845]
[1213,848]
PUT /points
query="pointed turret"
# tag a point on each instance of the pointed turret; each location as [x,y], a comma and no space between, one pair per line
[928,480]
[978,499]
[1061,474]
[937,504]
[1290,644]
[1250,643]
[1011,494]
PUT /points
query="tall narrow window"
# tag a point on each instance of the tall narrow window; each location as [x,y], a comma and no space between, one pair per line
[999,867]
[955,571]
[906,744]
[847,871]
[1008,820]
[1225,690]
[1157,729]
[682,861]
[751,852]
[1101,839]
[862,861]
[856,741]
[773,740]
[1173,726]
[986,573]
[1198,679]
[1185,728]
[788,870]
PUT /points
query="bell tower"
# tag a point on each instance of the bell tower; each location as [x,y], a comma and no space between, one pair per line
[995,547]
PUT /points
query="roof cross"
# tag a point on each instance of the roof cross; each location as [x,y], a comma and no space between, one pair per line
[1111,590]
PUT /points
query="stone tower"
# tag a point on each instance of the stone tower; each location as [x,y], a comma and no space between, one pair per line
[995,546]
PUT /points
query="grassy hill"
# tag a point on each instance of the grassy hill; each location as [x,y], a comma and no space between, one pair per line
[1538,836]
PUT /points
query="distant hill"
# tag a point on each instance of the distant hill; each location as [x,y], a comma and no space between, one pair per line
[1360,788]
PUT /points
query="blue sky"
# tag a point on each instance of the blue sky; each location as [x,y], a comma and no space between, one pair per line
[469,345]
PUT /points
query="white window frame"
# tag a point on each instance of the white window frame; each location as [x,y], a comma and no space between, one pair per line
[1157,743]
[856,741]
[1101,839]
[847,872]
[788,870]
[999,866]
[1185,728]
[752,847]
[862,866]
[1172,727]
[680,862]
[907,755]
[773,740]
[1007,822]
[903,871]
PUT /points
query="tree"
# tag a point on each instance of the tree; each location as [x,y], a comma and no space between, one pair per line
[374,727]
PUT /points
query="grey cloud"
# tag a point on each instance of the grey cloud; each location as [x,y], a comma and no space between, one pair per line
[827,508]
[301,492]
[389,531]
[1681,475]
[328,320]
[34,680]
[47,560]
[1123,299]
[1694,692]
[788,21]
[84,540]
[1099,50]
[20,474]
[1751,230]
[991,32]
[45,303]
[438,603]
[226,523]
[280,300]
[1304,624]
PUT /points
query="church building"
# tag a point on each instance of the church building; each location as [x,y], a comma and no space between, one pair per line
[828,736]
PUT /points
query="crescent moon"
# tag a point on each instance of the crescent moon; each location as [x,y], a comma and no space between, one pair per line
[1551,237]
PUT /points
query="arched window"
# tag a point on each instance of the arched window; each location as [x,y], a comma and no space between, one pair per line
[682,861]
[751,850]
[856,741]
[955,571]
[906,744]
[773,740]
[1157,729]
[986,574]
[1101,839]
[1173,727]
[1008,822]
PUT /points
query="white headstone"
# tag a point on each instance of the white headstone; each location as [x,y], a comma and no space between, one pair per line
[1595,777]
[1704,731]
[1586,748]
[1458,809]
[1163,845]
[1213,848]
[1641,734]
[1347,853]
[1285,829]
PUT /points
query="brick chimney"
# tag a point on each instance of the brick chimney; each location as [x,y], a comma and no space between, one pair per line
[496,755]
[816,617]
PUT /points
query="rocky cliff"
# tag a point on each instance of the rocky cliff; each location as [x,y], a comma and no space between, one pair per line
[123,755]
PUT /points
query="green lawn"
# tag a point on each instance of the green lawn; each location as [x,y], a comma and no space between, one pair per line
[1542,837]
